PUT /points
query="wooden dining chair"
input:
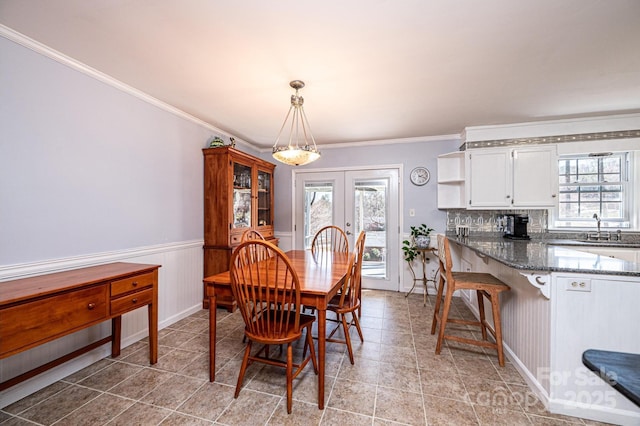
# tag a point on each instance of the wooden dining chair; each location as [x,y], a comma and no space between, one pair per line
[330,238]
[348,300]
[485,286]
[251,234]
[267,291]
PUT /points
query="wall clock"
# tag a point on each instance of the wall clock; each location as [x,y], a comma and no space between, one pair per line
[419,176]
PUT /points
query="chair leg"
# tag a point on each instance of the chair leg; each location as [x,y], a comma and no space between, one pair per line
[312,350]
[443,319]
[243,368]
[483,327]
[357,324]
[347,337]
[497,326]
[436,310]
[289,378]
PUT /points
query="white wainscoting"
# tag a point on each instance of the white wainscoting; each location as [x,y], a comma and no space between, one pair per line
[180,295]
[525,321]
[285,240]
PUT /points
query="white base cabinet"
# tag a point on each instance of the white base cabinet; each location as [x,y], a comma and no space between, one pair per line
[591,312]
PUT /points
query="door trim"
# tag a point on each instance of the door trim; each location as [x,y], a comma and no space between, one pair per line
[398,167]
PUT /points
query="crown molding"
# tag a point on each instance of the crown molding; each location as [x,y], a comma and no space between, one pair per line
[21,39]
[560,127]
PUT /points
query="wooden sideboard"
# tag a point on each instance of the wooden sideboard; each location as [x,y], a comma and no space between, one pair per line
[40,309]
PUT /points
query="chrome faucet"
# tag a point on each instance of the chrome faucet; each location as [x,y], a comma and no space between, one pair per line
[595,216]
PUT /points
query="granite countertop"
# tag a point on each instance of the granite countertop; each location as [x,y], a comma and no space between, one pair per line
[546,256]
[576,243]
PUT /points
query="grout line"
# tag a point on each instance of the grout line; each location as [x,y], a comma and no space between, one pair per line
[413,341]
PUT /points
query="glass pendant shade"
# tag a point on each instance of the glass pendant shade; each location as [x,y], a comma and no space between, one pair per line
[301,148]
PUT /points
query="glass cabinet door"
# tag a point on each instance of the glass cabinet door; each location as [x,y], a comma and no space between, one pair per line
[265,194]
[241,196]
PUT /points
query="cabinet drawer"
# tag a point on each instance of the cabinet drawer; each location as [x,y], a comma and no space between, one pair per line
[30,324]
[131,301]
[235,239]
[136,282]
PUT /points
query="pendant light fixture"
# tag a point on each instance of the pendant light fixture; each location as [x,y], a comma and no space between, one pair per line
[301,148]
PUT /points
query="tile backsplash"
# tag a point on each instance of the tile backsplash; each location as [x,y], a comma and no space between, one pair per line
[486,221]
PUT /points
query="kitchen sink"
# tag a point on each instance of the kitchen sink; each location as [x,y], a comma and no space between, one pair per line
[601,241]
[593,243]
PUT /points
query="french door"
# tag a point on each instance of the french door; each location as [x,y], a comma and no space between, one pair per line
[354,200]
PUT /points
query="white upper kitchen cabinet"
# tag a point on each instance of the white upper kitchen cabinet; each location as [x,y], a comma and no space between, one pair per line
[513,177]
[489,178]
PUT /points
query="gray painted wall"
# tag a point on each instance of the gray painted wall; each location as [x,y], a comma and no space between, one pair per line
[421,198]
[87,168]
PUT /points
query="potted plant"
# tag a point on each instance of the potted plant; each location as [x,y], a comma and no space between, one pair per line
[419,239]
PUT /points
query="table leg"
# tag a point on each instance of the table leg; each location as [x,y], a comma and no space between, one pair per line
[413,274]
[212,338]
[152,313]
[424,279]
[322,338]
[116,335]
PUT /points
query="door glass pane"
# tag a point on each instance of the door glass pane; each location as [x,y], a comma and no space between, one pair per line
[318,209]
[241,196]
[370,210]
[264,199]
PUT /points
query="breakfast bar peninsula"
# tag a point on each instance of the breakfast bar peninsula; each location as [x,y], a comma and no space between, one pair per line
[563,301]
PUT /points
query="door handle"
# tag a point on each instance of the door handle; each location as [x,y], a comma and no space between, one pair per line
[347,224]
[348,232]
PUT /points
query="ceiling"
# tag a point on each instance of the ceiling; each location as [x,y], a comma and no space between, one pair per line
[374,69]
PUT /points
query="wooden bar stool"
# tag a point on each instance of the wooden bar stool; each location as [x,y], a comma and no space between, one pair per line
[485,285]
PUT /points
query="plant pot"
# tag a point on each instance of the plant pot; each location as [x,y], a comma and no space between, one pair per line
[423,241]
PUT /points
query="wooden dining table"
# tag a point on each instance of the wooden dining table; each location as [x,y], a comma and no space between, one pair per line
[321,277]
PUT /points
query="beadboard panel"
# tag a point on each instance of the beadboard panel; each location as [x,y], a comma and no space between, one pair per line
[525,314]
[180,295]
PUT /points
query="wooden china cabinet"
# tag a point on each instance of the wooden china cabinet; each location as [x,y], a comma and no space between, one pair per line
[238,195]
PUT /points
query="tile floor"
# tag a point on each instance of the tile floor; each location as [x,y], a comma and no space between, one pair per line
[396,379]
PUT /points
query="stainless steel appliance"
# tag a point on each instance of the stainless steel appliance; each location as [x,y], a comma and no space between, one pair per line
[516,226]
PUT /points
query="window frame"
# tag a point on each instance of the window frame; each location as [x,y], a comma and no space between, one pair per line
[626,183]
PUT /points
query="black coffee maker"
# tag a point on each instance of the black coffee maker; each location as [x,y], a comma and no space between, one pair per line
[515,227]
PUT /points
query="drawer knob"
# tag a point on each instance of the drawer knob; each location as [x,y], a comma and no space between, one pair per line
[135,283]
[134,300]
[91,306]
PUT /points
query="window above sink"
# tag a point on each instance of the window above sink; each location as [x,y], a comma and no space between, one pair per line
[595,191]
